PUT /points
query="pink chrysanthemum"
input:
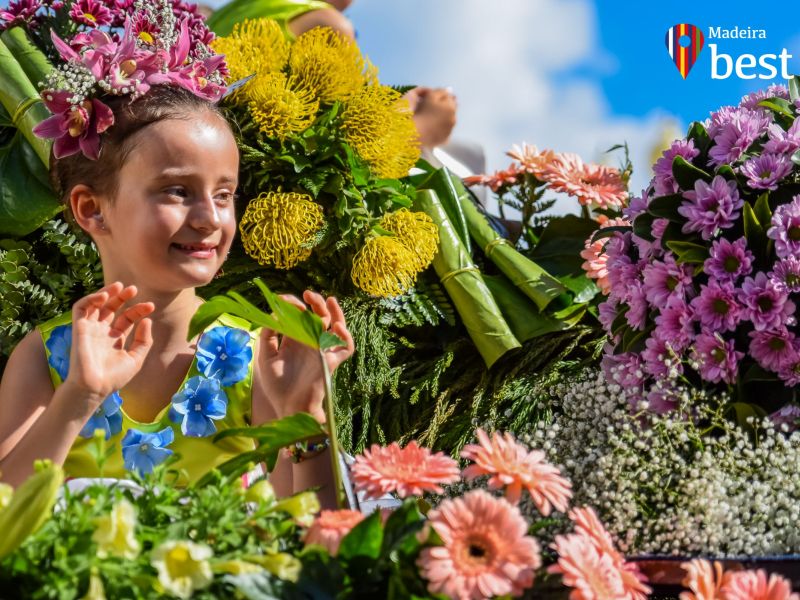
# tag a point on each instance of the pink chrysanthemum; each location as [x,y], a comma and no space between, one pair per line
[703,582]
[91,13]
[486,551]
[408,471]
[596,258]
[754,585]
[330,527]
[512,466]
[596,185]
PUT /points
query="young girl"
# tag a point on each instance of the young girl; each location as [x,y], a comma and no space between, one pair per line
[159,205]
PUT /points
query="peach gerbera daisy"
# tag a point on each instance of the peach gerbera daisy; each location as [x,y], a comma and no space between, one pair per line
[596,185]
[595,257]
[496,180]
[531,160]
[754,585]
[703,580]
[592,574]
[408,471]
[486,551]
[330,527]
[589,526]
[512,466]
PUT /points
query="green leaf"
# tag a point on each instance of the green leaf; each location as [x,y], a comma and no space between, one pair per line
[607,232]
[745,410]
[754,231]
[762,210]
[257,586]
[794,88]
[779,106]
[698,134]
[756,373]
[796,158]
[365,539]
[666,207]
[560,245]
[401,527]
[643,226]
[688,252]
[686,173]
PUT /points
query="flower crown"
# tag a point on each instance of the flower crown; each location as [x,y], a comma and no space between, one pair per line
[157,47]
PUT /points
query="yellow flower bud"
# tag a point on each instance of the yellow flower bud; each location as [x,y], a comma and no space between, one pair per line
[282,565]
[261,492]
[302,507]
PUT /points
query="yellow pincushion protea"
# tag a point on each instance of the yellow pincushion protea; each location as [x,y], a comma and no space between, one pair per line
[278,228]
[384,266]
[254,46]
[279,106]
[378,124]
[417,231]
[330,64]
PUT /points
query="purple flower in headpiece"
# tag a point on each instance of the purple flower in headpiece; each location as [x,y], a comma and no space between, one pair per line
[785,229]
[735,137]
[774,350]
[664,183]
[76,128]
[665,279]
[711,207]
[783,142]
[785,276]
[675,324]
[716,307]
[765,171]
[765,306]
[728,260]
[19,12]
[91,13]
[717,359]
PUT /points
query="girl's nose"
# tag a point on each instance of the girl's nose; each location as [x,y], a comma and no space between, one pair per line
[204,215]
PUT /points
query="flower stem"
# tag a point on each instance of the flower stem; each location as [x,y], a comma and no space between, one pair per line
[341,498]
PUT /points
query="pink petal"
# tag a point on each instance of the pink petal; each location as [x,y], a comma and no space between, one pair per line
[51,127]
[64,49]
[90,145]
[104,117]
[66,145]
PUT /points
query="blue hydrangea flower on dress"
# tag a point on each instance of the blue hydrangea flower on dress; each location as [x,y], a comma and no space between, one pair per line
[142,451]
[59,344]
[201,402]
[224,353]
[107,417]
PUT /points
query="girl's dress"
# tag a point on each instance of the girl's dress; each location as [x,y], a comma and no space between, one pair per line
[215,394]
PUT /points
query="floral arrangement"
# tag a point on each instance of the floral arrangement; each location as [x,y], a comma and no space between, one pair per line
[701,288]
[324,145]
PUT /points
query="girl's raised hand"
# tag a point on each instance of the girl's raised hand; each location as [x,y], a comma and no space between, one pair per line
[291,371]
[100,363]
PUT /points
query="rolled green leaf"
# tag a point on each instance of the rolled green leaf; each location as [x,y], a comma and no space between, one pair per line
[33,62]
[224,18]
[463,281]
[22,102]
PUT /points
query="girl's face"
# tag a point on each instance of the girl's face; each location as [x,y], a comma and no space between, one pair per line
[172,222]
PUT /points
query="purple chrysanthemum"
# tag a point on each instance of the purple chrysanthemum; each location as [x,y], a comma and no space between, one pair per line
[789,416]
[664,183]
[717,359]
[662,399]
[765,171]
[783,142]
[92,13]
[656,355]
[716,308]
[765,306]
[728,260]
[775,90]
[624,369]
[734,137]
[637,306]
[785,276]
[665,279]
[711,207]
[675,325]
[774,350]
[607,313]
[636,206]
[19,12]
[785,229]
[790,375]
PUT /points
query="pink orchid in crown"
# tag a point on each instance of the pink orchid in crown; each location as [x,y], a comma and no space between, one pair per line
[76,128]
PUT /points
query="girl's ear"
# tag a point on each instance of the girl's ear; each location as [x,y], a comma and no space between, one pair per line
[87,210]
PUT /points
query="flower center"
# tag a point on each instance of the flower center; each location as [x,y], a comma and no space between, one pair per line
[776,344]
[765,303]
[731,264]
[672,283]
[765,174]
[223,356]
[146,37]
[720,306]
[792,279]
[198,407]
[128,66]
[144,447]
[794,233]
[718,354]
[90,17]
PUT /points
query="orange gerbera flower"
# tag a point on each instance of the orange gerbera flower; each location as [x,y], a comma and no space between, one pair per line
[512,466]
[408,471]
[486,551]
[596,185]
[330,527]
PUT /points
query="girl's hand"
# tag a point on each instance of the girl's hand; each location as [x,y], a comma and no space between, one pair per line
[99,361]
[291,371]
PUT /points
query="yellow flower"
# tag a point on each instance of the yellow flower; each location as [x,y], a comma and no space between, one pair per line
[330,64]
[280,107]
[302,507]
[279,228]
[281,565]
[384,266]
[236,567]
[115,534]
[260,492]
[96,590]
[417,231]
[182,567]
[254,46]
[378,124]
[6,492]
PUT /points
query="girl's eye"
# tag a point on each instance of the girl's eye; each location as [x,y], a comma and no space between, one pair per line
[226,198]
[178,191]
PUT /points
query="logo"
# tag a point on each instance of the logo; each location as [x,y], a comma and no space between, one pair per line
[684,42]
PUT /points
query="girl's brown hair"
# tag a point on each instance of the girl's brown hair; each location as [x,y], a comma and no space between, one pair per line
[130,117]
